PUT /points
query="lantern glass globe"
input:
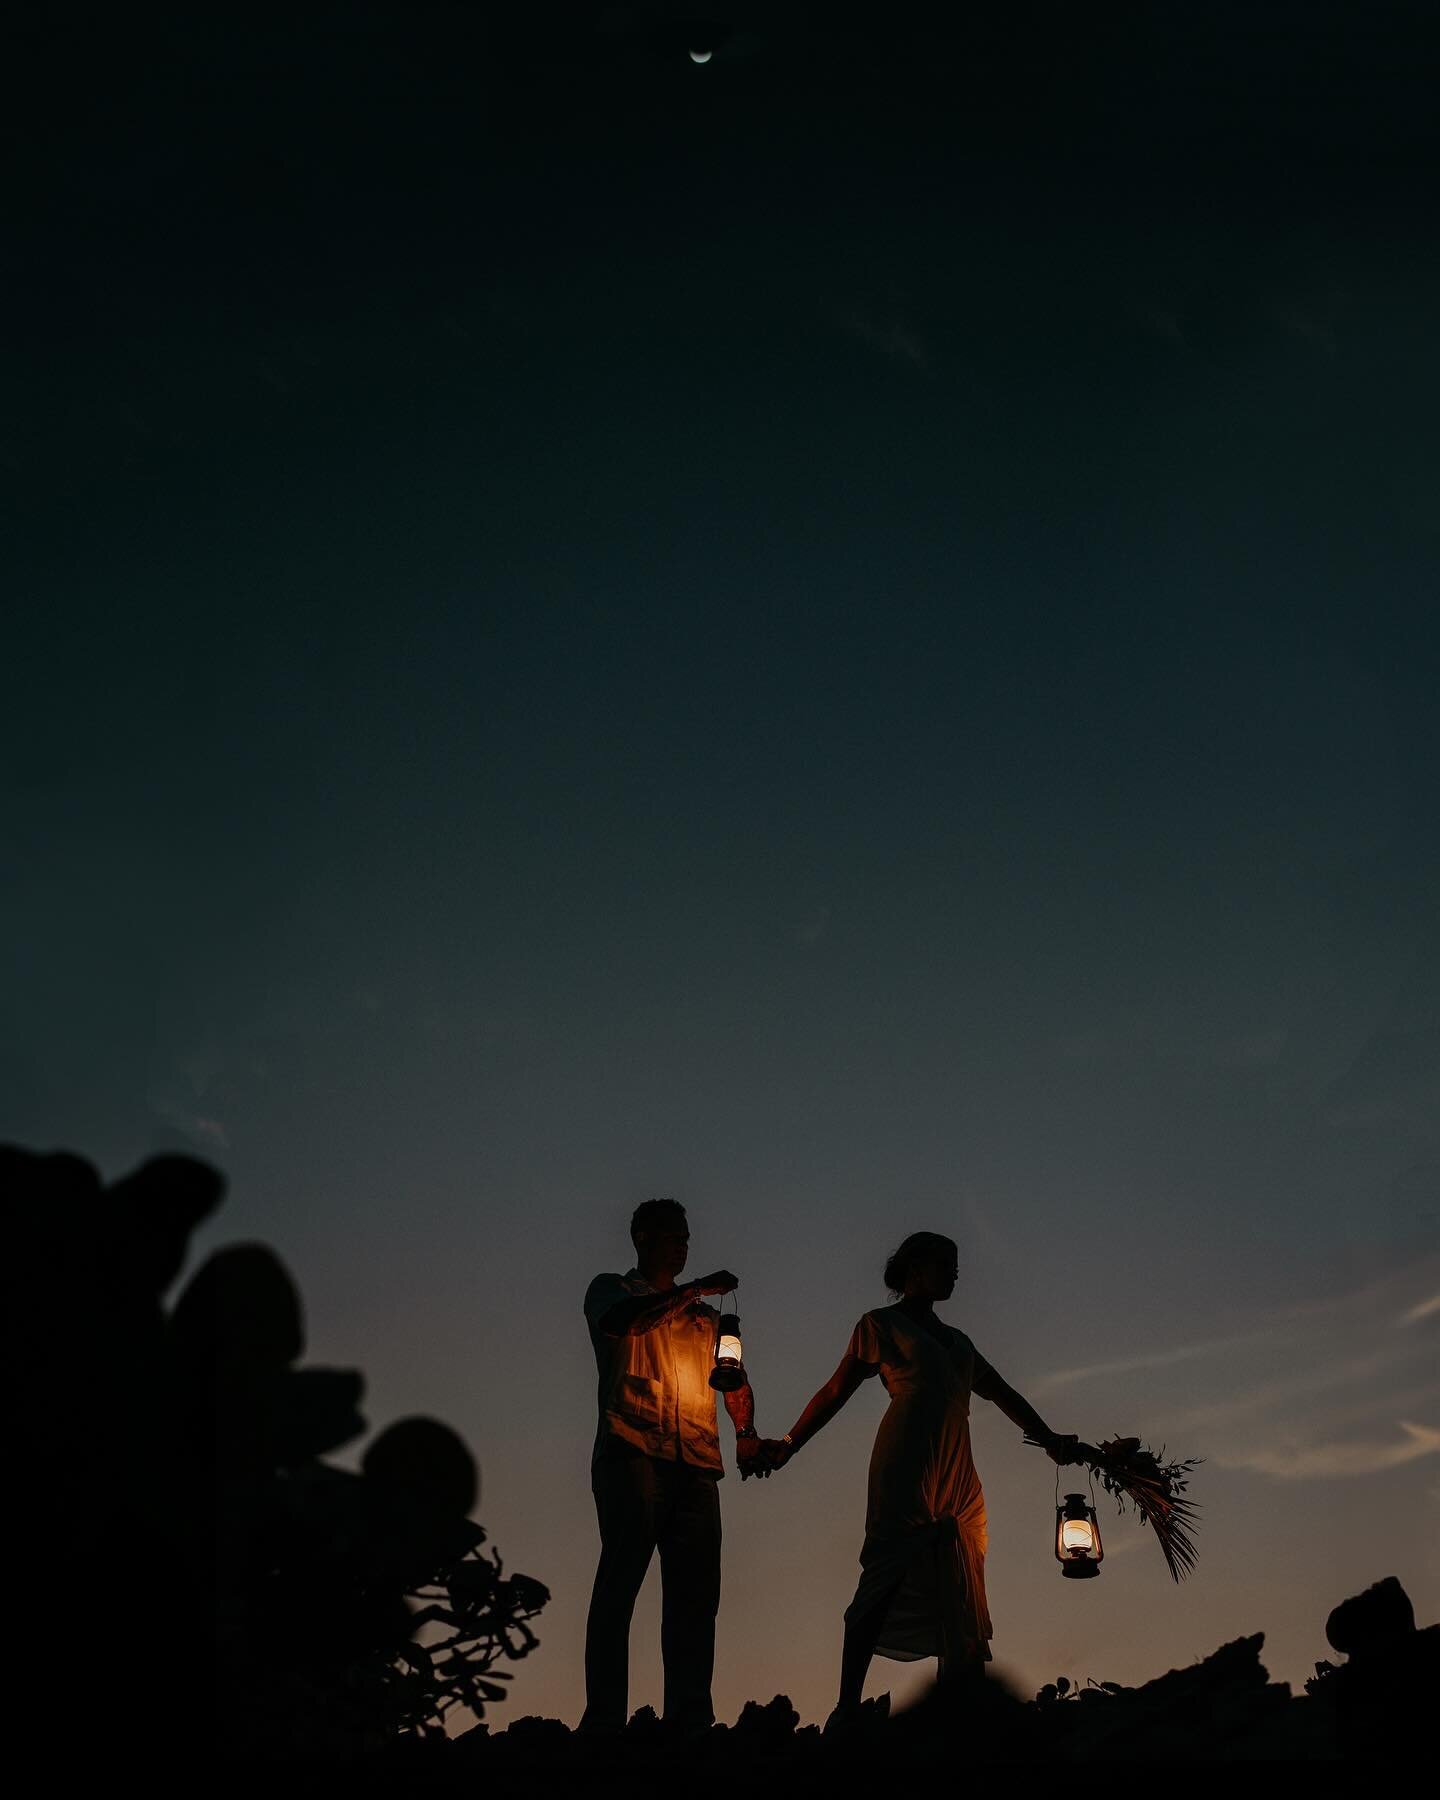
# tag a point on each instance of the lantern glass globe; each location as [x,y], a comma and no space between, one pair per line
[728,1374]
[1078,1548]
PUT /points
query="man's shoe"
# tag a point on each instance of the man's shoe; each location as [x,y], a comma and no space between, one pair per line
[599,1728]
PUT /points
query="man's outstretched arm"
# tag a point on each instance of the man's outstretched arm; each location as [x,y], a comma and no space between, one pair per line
[643,1312]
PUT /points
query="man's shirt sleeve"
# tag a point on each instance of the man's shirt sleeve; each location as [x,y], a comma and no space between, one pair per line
[603,1292]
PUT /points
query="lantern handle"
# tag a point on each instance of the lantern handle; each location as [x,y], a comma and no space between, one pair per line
[1090,1477]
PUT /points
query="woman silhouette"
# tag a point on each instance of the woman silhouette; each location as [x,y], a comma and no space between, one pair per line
[922,1566]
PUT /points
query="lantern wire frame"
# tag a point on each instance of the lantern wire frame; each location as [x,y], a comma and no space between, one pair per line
[733,1296]
[728,1375]
[1090,1478]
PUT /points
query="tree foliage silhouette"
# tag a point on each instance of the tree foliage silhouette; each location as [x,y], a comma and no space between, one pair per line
[269,1601]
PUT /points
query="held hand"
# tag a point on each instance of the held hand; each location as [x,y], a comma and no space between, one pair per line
[776,1452]
[720,1282]
[750,1458]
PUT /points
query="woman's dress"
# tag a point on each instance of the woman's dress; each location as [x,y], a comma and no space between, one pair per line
[925,1536]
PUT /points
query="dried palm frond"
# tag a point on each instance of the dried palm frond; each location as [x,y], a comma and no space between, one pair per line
[1155,1488]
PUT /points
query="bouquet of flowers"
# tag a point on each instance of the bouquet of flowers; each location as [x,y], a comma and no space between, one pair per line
[1154,1487]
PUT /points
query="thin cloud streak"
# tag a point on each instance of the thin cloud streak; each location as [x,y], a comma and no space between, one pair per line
[1321,1379]
[1301,1395]
[1303,1463]
[1161,1359]
[1283,1327]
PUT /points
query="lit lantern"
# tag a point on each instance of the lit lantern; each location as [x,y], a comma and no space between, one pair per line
[1077,1538]
[729,1371]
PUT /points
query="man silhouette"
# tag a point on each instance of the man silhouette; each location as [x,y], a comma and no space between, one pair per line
[655,1469]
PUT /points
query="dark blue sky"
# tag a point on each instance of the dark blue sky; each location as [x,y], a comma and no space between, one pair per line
[849,634]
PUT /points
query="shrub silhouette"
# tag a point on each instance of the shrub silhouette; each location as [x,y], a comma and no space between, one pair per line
[266,1603]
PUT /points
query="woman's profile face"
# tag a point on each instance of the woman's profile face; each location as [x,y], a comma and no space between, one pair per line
[936,1274]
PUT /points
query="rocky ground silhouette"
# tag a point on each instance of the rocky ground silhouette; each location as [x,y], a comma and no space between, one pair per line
[1371,1707]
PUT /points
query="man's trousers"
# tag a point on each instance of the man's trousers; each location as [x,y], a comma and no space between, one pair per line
[645,1505]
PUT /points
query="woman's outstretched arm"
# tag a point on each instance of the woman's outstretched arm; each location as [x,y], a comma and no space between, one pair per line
[828,1400]
[993,1387]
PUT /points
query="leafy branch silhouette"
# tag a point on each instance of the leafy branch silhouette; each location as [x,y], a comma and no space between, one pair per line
[296,1588]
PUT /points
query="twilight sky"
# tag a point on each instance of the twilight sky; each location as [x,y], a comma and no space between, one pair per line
[847,634]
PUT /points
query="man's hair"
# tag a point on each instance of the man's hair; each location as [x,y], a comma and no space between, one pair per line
[650,1213]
